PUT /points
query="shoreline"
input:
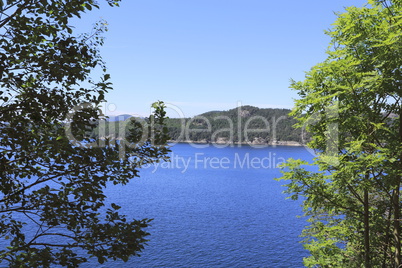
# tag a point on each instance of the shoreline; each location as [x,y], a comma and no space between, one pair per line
[277,143]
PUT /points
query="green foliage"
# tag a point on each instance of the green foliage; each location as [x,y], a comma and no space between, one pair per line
[351,104]
[52,172]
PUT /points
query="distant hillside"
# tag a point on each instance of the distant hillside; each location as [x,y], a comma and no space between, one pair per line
[245,124]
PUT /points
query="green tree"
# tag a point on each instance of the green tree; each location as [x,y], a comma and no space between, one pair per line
[351,104]
[52,171]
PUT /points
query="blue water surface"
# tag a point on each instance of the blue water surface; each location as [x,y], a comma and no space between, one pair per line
[215,207]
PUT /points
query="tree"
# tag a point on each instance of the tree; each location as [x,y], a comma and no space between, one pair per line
[351,104]
[52,172]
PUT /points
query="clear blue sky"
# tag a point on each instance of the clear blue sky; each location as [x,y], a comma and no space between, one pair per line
[203,55]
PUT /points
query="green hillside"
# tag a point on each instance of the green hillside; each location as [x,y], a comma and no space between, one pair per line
[246,124]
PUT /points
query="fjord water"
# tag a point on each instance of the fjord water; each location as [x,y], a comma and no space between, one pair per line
[216,207]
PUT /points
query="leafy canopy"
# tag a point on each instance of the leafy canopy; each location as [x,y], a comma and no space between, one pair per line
[351,104]
[52,172]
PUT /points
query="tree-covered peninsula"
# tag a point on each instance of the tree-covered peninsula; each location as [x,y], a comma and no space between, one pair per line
[245,124]
[241,125]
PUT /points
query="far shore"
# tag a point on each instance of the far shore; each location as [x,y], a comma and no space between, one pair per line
[277,143]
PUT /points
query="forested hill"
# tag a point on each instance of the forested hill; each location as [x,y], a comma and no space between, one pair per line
[245,124]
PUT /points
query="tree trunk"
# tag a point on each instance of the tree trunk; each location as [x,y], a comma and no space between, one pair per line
[387,236]
[397,214]
[366,230]
[397,231]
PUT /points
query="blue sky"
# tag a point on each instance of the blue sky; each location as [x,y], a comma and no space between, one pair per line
[202,55]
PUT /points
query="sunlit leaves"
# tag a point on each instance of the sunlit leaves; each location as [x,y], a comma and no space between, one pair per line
[354,96]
